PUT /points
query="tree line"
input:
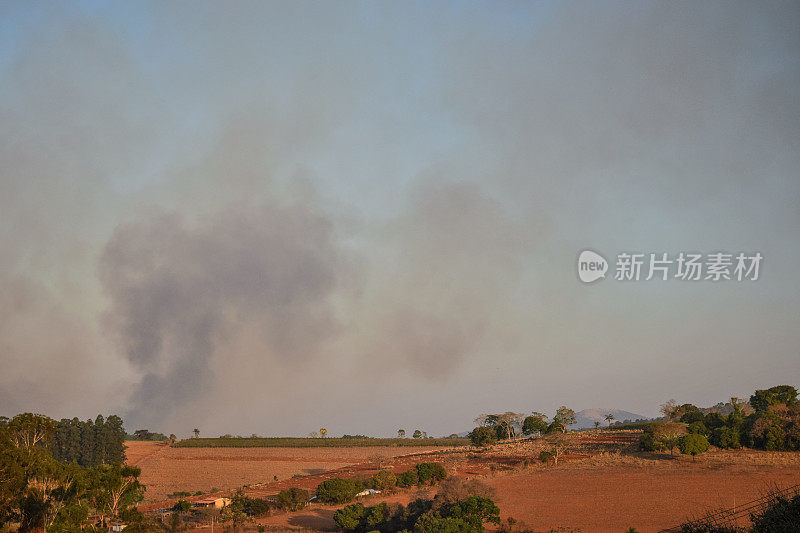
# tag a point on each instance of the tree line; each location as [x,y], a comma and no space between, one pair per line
[508,425]
[40,492]
[769,421]
[89,443]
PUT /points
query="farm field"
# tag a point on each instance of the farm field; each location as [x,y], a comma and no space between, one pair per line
[610,498]
[305,442]
[168,469]
[600,485]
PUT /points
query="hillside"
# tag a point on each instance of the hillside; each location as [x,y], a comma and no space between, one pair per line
[587,417]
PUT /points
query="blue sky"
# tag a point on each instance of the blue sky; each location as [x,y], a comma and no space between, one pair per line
[205,205]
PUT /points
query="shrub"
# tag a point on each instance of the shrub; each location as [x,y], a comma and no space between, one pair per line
[483,436]
[781,514]
[432,523]
[726,438]
[261,507]
[430,472]
[647,442]
[545,456]
[534,425]
[475,511]
[349,518]
[698,427]
[181,506]
[407,478]
[292,499]
[421,516]
[662,436]
[693,444]
[338,490]
[455,489]
[384,480]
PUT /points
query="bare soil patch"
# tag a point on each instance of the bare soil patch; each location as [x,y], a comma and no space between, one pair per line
[167,469]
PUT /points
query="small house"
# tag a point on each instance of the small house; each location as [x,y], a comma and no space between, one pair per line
[215,503]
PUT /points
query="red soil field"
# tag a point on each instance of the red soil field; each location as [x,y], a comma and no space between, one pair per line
[166,470]
[601,484]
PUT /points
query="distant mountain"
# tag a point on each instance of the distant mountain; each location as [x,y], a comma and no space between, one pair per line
[587,417]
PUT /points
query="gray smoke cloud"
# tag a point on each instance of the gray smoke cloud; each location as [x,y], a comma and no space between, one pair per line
[177,289]
[274,217]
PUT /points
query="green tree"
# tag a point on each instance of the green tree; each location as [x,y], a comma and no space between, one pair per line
[417,434]
[116,487]
[13,475]
[762,400]
[384,480]
[430,473]
[401,433]
[693,444]
[87,448]
[564,418]
[483,436]
[407,478]
[690,413]
[609,418]
[697,427]
[668,435]
[349,518]
[196,432]
[475,510]
[535,424]
[181,506]
[338,490]
[293,499]
[28,429]
[115,440]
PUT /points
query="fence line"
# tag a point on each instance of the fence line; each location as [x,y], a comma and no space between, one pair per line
[727,517]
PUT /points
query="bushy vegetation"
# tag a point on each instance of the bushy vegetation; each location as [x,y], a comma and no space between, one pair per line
[292,499]
[244,509]
[181,506]
[460,506]
[407,478]
[483,436]
[310,442]
[771,421]
[88,443]
[693,444]
[430,473]
[662,436]
[781,514]
[338,490]
[343,490]
[38,491]
[495,427]
[147,435]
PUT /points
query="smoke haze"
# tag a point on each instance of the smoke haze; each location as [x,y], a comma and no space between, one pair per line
[268,218]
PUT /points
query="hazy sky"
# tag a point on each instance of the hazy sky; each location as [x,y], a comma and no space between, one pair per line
[273,217]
